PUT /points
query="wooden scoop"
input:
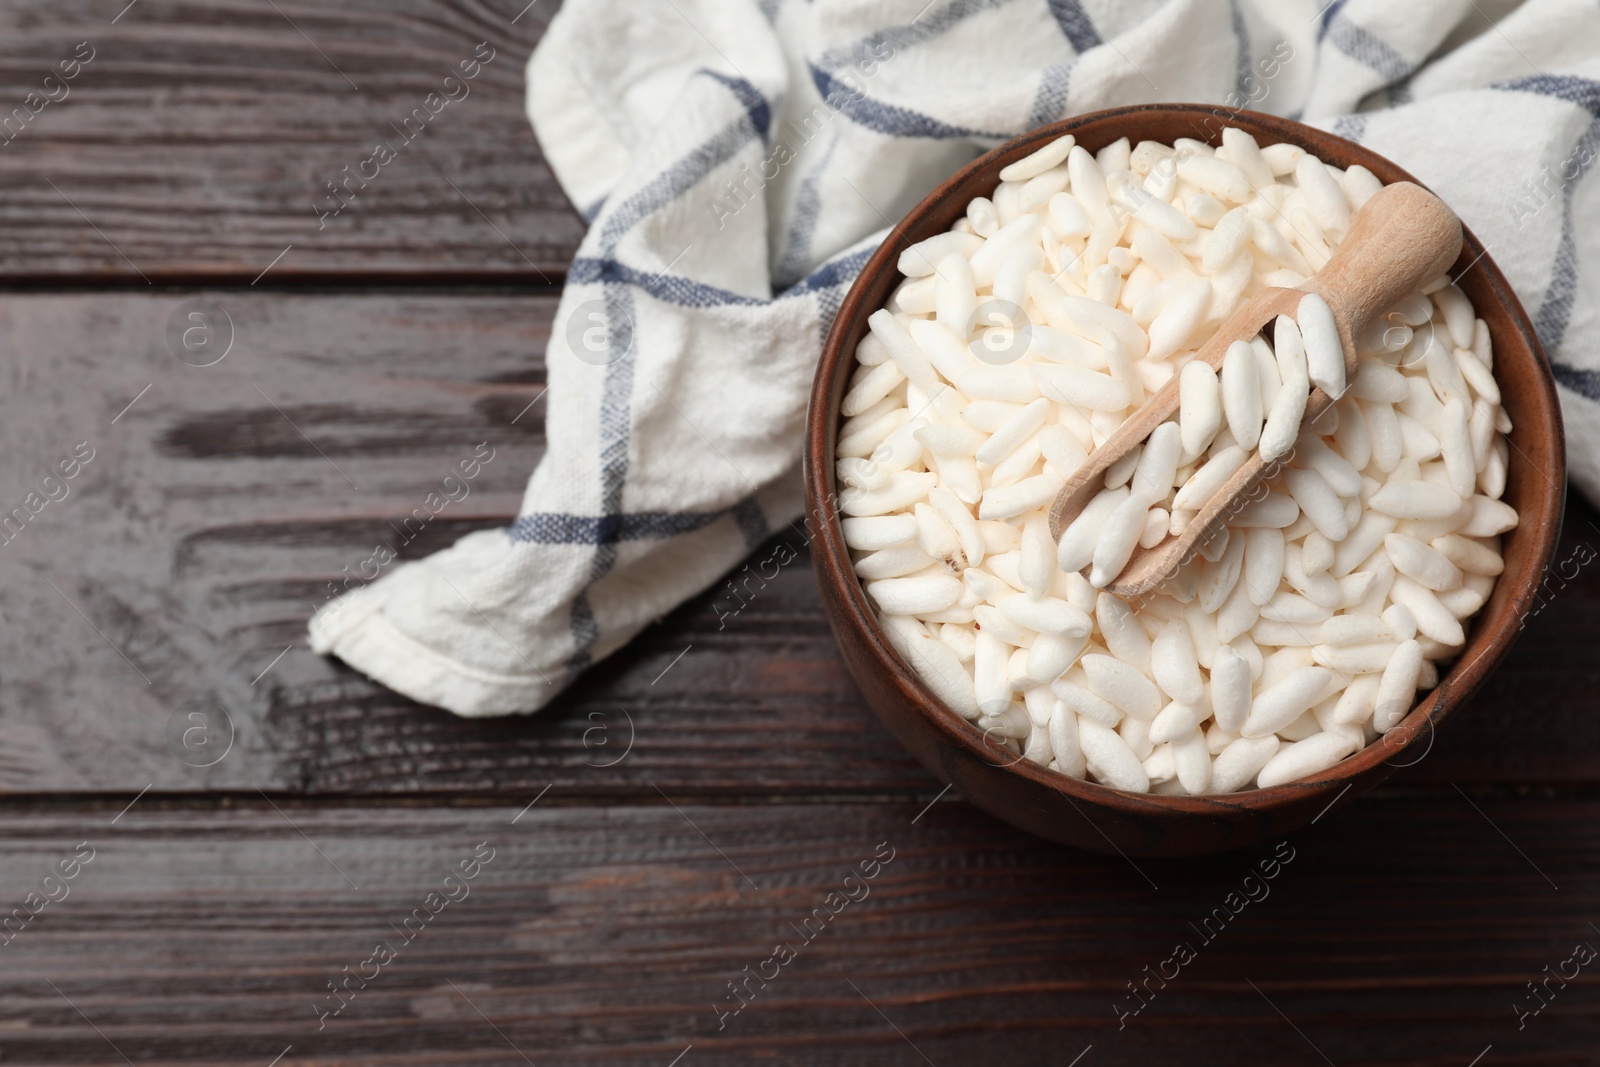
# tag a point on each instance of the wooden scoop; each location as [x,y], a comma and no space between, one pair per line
[1400,240]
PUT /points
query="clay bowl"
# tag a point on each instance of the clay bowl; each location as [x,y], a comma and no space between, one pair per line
[1095,817]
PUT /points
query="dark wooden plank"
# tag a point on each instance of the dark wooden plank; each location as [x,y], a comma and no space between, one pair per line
[1399,932]
[206,529]
[197,139]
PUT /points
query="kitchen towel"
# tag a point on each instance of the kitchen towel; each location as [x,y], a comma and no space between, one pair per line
[737,160]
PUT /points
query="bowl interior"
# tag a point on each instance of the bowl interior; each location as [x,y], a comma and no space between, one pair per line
[1535,482]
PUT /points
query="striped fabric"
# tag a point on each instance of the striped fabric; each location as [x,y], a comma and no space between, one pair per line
[737,159]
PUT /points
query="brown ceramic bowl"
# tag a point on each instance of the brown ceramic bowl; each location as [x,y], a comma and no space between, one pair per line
[1093,816]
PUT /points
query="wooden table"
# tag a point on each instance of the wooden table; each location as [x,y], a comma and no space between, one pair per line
[244,822]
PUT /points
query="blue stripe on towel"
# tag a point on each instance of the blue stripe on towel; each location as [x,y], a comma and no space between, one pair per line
[1055,81]
[669,288]
[925,27]
[616,404]
[1364,46]
[755,105]
[885,118]
[1585,383]
[585,632]
[1585,92]
[835,272]
[807,208]
[672,182]
[1555,310]
[1351,127]
[1241,63]
[616,401]
[1325,19]
[752,522]
[557,528]
[1050,100]
[1075,25]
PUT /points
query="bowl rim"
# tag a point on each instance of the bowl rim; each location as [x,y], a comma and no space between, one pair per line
[1464,677]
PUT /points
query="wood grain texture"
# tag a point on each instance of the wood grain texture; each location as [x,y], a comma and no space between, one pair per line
[206,529]
[191,549]
[197,140]
[611,936]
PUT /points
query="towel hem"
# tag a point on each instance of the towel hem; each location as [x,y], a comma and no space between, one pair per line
[393,658]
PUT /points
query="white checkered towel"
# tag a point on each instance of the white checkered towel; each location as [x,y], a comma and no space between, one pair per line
[737,160]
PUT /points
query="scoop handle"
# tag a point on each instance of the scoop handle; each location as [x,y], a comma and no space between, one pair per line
[1401,239]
